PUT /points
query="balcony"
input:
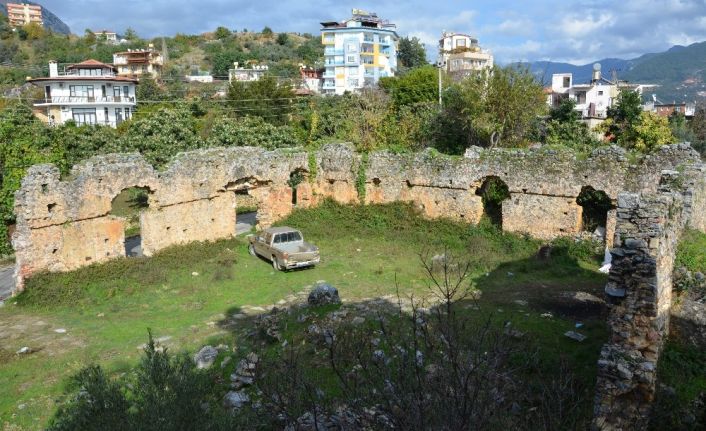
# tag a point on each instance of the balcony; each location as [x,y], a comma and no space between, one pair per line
[329,50]
[333,62]
[328,74]
[84,100]
[329,85]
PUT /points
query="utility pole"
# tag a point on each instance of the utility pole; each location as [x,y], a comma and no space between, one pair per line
[440,64]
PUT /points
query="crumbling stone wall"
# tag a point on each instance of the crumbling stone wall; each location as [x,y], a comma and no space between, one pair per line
[65,224]
[648,228]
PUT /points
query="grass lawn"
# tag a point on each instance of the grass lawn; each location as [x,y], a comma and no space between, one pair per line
[183,292]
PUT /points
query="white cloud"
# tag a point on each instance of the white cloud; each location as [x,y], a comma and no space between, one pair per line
[579,26]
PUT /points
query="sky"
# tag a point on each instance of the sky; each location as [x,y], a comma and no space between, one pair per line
[577,32]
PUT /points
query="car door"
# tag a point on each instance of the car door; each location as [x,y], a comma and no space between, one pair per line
[261,244]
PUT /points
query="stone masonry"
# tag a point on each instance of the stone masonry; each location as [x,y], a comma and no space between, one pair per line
[64,224]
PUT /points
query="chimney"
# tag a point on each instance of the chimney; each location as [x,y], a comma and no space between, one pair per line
[53,69]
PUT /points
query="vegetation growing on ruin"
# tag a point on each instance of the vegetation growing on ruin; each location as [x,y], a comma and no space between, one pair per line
[691,252]
[366,250]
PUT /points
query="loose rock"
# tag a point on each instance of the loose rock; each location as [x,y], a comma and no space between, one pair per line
[205,357]
[323,294]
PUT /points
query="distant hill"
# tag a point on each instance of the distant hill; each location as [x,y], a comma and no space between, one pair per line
[680,71]
[51,21]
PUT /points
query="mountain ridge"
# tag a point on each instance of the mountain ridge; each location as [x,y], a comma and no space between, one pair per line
[680,71]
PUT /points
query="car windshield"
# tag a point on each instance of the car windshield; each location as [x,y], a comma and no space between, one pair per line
[288,237]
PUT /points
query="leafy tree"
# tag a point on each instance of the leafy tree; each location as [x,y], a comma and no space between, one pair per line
[251,131]
[131,34]
[419,85]
[24,142]
[698,128]
[223,61]
[565,128]
[148,89]
[565,112]
[652,132]
[264,98]
[624,117]
[34,31]
[222,33]
[493,107]
[160,136]
[680,129]
[282,39]
[89,36]
[411,52]
[267,31]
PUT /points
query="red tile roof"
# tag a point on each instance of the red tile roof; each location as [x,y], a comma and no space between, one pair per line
[84,78]
[89,64]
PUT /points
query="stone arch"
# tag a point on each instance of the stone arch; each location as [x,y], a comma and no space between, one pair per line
[249,201]
[297,178]
[128,205]
[493,191]
[595,205]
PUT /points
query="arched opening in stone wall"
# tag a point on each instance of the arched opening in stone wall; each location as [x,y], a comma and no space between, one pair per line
[247,205]
[493,191]
[595,206]
[129,205]
[295,178]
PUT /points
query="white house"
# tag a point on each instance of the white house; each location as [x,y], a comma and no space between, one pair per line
[247,74]
[460,54]
[87,93]
[592,98]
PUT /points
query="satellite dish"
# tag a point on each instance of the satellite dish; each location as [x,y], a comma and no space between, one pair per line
[596,67]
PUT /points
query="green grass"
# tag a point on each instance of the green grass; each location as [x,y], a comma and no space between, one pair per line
[691,251]
[366,250]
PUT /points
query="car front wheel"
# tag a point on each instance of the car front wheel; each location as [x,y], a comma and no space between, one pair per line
[251,250]
[275,264]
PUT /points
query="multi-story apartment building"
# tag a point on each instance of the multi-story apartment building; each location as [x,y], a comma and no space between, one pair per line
[358,52]
[19,14]
[460,54]
[88,93]
[136,62]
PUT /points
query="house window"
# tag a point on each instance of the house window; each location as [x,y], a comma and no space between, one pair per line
[84,91]
[116,92]
[352,82]
[84,115]
[126,91]
[128,114]
[600,93]
[567,82]
[118,115]
[353,71]
[106,116]
[460,43]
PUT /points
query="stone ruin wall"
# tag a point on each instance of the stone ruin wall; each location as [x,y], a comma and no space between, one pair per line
[65,224]
[648,229]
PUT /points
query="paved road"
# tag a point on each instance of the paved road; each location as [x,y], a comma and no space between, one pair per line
[133,246]
[7,281]
[245,222]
